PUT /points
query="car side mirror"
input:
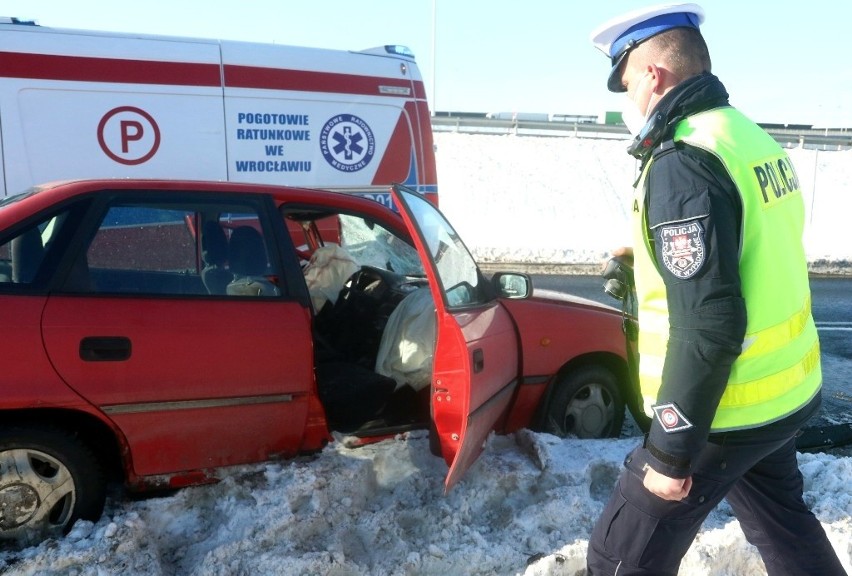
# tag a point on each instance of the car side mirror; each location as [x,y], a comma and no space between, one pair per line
[512,285]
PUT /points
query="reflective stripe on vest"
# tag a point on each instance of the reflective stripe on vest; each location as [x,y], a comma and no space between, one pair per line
[779,370]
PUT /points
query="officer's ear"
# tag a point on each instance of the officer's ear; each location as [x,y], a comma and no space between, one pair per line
[661,78]
[655,76]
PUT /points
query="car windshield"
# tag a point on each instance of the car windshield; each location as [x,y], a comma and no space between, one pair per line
[17,197]
[370,244]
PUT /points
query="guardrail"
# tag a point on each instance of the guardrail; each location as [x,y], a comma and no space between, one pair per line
[811,139]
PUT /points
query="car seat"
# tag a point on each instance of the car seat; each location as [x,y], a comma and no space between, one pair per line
[27,253]
[248,264]
[214,254]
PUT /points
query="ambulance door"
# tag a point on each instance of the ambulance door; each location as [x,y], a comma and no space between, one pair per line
[476,366]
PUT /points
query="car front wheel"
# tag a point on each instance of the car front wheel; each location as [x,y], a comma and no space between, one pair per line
[48,480]
[586,403]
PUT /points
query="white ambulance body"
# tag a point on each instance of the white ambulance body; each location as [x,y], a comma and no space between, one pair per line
[83,104]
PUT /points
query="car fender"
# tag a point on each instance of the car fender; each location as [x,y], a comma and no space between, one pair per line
[557,335]
[554,332]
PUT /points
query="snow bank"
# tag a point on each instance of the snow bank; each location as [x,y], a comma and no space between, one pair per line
[566,200]
[526,508]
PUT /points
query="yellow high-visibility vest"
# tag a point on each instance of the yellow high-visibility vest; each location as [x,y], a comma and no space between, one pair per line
[778,370]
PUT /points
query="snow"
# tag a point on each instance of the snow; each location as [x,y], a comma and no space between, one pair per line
[380,509]
[551,200]
[527,506]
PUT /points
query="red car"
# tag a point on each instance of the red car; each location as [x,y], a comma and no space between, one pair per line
[155,331]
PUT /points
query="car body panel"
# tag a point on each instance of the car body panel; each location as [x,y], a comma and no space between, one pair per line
[28,380]
[476,363]
[472,390]
[171,394]
[541,322]
[550,344]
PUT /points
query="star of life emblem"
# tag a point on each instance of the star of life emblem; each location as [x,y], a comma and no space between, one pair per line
[347,142]
[683,249]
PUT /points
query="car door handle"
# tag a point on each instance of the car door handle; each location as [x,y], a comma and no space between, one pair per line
[478,360]
[105,348]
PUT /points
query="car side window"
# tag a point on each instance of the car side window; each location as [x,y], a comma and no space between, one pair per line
[457,272]
[144,250]
[22,255]
[180,250]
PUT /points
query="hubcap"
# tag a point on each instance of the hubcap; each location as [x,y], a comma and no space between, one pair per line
[590,412]
[37,492]
[18,504]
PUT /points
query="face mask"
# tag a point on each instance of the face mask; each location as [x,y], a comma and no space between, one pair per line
[632,117]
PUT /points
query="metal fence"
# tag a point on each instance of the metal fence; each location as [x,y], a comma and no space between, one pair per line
[812,139]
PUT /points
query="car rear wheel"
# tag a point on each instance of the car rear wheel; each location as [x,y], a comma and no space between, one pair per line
[586,403]
[48,480]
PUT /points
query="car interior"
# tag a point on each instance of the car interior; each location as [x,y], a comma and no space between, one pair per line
[374,323]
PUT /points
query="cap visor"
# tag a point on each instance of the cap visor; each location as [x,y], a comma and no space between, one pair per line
[613,83]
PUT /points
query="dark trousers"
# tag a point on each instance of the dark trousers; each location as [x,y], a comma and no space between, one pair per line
[640,533]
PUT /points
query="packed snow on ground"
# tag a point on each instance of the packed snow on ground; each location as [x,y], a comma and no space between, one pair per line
[527,506]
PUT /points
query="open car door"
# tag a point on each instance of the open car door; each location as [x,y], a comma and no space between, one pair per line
[475,370]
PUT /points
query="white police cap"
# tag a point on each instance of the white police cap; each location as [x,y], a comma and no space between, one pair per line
[618,36]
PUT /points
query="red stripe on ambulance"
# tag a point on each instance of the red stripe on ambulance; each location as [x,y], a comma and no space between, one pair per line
[309,81]
[124,71]
[117,70]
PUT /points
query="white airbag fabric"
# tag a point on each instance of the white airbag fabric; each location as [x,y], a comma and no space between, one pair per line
[408,341]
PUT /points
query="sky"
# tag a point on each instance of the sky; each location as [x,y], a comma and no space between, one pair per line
[781,61]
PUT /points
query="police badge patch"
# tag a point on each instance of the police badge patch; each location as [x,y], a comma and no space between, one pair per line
[671,418]
[683,249]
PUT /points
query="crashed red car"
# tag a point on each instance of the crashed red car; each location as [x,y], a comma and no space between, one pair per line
[156,331]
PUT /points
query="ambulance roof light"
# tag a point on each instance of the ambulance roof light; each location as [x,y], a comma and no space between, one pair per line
[393,49]
[399,50]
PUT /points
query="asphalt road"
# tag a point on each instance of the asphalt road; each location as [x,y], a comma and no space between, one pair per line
[832,310]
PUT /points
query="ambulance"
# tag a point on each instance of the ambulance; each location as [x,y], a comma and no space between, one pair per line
[86,104]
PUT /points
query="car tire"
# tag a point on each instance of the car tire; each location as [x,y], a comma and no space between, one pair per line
[586,403]
[48,480]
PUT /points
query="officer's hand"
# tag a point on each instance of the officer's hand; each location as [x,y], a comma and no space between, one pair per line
[625,253]
[665,487]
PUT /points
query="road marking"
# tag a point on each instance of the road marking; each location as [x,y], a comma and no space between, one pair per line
[842,326]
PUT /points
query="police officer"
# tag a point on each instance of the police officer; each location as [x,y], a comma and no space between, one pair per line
[729,358]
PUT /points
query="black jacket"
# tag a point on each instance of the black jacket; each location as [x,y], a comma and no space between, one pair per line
[707,314]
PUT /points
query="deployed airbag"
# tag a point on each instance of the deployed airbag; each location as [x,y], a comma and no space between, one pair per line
[408,341]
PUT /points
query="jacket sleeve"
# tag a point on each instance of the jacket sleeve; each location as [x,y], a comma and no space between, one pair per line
[695,214]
